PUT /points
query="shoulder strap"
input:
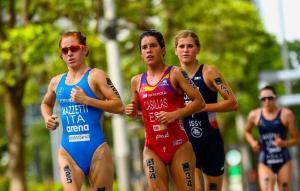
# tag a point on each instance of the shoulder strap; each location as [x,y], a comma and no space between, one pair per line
[201,67]
[167,72]
[279,113]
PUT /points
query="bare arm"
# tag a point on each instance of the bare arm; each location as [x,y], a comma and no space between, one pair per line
[181,81]
[101,84]
[250,123]
[288,118]
[216,82]
[47,105]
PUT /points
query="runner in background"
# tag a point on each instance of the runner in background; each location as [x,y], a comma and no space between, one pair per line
[274,124]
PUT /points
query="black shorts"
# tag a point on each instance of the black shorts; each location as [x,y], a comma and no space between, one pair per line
[210,156]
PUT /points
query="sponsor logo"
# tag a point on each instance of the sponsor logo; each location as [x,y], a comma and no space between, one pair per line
[69,100]
[159,127]
[196,132]
[197,78]
[277,122]
[59,91]
[274,161]
[164,82]
[79,138]
[163,136]
[153,94]
[222,168]
[77,128]
[274,149]
[177,142]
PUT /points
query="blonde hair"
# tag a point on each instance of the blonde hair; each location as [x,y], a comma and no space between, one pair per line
[187,33]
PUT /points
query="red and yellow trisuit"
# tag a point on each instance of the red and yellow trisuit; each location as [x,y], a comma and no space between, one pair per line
[164,140]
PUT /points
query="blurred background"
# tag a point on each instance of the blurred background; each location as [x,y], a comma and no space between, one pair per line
[251,42]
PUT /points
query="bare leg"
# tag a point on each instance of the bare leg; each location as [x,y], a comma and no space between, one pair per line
[266,178]
[198,180]
[71,175]
[284,177]
[183,168]
[155,171]
[213,183]
[101,172]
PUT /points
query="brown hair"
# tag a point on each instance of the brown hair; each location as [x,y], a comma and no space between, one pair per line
[187,33]
[156,34]
[268,87]
[77,35]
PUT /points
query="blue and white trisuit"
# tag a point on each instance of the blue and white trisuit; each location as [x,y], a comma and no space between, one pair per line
[82,130]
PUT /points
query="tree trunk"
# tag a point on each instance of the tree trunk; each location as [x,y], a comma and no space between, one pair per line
[14,114]
[12,14]
[2,34]
[25,12]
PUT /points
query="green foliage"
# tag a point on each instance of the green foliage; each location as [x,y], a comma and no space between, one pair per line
[45,187]
[97,55]
[115,186]
[31,50]
[4,183]
[295,47]
[232,39]
[3,155]
[38,150]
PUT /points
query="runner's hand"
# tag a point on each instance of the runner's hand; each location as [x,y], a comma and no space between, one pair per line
[131,110]
[278,142]
[166,117]
[255,146]
[78,95]
[52,122]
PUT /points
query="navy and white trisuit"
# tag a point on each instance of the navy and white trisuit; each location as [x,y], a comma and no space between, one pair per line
[271,155]
[203,132]
[82,130]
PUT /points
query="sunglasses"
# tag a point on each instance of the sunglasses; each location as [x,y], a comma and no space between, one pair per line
[270,98]
[72,48]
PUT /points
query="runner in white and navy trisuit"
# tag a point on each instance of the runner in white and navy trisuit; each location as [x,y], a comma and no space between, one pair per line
[202,127]
[274,124]
[271,155]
